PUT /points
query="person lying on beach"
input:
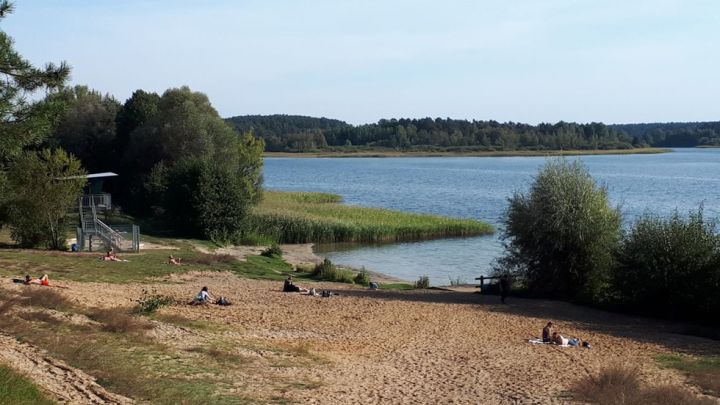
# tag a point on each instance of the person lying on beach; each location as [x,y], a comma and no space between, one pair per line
[44,280]
[289,286]
[560,340]
[202,298]
[547,333]
[173,261]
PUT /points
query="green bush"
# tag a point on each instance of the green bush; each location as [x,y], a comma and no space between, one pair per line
[362,277]
[561,235]
[273,251]
[329,272]
[423,282]
[150,302]
[670,266]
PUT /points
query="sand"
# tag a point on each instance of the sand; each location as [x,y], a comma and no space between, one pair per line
[406,347]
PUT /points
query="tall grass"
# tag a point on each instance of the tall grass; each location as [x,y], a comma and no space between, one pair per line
[318,217]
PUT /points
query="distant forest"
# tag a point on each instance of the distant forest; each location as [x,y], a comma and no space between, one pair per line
[292,133]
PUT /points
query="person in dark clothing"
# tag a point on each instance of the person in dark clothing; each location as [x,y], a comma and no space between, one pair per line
[504,287]
[289,286]
[547,333]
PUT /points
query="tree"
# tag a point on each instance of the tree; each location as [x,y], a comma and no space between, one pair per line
[670,266]
[560,236]
[185,126]
[136,111]
[43,187]
[204,198]
[24,123]
[86,128]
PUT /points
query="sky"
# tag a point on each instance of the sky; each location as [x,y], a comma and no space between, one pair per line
[612,61]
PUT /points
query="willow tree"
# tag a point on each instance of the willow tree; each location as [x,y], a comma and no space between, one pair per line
[560,236]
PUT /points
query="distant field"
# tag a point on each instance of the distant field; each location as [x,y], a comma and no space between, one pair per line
[317,217]
[393,153]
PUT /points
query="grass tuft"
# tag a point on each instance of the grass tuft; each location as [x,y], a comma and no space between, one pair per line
[620,385]
[423,282]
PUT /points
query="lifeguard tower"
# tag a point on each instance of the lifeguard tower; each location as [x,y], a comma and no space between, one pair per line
[94,233]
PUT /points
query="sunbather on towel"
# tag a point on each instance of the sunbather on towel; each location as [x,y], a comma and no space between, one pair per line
[560,340]
[44,280]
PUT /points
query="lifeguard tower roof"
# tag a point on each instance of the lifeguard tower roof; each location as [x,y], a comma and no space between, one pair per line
[91,176]
[100,175]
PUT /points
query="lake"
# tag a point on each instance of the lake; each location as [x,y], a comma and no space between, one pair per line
[478,188]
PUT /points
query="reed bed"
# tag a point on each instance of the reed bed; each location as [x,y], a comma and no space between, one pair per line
[290,217]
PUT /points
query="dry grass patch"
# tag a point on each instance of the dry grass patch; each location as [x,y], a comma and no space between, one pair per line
[117,320]
[45,298]
[210,259]
[221,355]
[40,316]
[620,385]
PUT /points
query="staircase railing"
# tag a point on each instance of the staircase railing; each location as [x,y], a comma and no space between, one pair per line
[90,225]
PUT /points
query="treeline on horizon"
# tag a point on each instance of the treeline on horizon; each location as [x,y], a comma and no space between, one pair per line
[293,133]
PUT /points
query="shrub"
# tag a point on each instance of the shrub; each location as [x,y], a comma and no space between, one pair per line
[329,272]
[670,266]
[149,303]
[116,320]
[561,234]
[273,251]
[423,282]
[362,277]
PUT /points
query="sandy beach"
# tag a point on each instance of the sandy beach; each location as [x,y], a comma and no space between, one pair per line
[403,347]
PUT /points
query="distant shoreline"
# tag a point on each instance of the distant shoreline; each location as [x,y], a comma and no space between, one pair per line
[382,153]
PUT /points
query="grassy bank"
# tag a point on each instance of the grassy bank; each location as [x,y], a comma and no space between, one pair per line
[18,390]
[317,217]
[449,153]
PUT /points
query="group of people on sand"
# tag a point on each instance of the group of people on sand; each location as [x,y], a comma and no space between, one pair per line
[553,337]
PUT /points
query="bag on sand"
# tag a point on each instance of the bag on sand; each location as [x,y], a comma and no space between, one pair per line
[222,301]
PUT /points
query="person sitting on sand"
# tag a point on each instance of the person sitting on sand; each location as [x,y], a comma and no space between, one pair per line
[547,333]
[44,280]
[560,340]
[288,286]
[173,261]
[202,298]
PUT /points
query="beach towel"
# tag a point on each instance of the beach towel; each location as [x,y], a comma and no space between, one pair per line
[540,342]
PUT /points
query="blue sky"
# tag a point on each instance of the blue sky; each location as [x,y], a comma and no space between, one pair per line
[521,60]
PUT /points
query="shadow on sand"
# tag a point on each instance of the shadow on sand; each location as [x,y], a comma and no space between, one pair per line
[673,335]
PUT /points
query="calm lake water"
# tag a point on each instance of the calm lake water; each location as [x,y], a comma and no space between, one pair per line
[478,188]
